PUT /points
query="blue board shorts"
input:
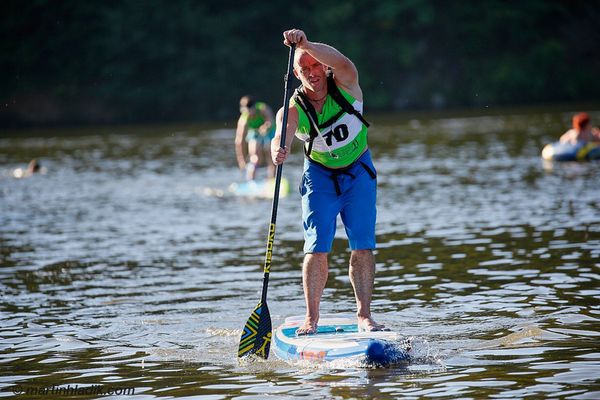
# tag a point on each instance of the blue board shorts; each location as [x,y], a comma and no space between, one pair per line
[263,140]
[350,192]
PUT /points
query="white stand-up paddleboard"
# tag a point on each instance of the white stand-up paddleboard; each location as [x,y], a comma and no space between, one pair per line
[337,338]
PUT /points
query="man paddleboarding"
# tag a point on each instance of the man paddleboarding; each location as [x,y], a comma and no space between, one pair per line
[339,177]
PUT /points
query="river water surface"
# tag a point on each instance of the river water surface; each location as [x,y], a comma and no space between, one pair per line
[127,265]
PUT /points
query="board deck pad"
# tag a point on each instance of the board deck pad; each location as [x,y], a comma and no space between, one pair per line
[338,337]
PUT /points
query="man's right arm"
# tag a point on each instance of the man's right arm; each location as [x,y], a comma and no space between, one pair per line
[240,135]
[279,154]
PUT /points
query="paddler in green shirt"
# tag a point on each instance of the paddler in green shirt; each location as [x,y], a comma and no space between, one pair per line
[339,177]
[255,127]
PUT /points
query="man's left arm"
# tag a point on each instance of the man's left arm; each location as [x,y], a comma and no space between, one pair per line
[344,69]
[269,119]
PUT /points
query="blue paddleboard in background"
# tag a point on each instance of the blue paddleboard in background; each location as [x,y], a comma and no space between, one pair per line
[264,189]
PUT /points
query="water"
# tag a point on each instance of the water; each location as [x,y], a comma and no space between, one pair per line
[121,269]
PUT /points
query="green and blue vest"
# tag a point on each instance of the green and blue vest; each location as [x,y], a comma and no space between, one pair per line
[342,127]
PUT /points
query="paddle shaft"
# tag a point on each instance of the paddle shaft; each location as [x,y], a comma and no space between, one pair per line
[271,236]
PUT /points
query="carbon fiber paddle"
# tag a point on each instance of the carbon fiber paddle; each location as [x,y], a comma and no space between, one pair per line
[256,337]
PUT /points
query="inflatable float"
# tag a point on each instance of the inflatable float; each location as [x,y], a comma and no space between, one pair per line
[580,151]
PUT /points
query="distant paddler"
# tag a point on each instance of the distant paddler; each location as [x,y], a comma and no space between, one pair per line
[34,167]
[255,127]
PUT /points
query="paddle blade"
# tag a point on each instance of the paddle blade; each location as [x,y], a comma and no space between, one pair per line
[256,337]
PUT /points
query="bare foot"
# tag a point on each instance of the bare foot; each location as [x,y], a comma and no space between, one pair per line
[368,324]
[309,328]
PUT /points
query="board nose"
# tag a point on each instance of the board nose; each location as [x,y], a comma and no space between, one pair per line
[380,352]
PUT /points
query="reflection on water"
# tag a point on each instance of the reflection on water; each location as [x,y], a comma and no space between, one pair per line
[119,268]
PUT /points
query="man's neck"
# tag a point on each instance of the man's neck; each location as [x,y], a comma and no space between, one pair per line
[315,97]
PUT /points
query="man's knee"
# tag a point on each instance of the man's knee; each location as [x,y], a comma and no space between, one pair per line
[316,256]
[360,258]
[362,253]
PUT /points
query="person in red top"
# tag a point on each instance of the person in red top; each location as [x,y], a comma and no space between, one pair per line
[582,130]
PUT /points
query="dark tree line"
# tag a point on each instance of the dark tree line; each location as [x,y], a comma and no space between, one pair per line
[74,62]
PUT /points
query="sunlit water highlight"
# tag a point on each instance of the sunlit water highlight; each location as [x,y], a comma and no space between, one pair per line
[119,268]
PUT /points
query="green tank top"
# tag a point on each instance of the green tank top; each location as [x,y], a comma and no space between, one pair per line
[256,120]
[346,137]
